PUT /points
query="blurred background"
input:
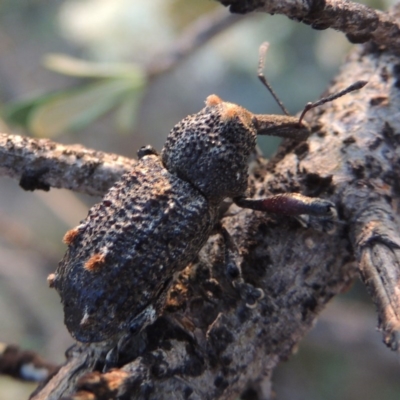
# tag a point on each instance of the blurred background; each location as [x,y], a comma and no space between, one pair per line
[95,72]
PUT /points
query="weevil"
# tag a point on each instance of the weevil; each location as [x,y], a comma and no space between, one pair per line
[153,222]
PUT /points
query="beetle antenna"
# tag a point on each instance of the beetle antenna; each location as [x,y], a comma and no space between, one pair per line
[261,63]
[355,86]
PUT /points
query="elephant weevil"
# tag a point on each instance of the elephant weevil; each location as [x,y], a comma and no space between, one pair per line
[153,222]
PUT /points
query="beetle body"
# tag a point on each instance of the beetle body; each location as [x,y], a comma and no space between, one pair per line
[153,222]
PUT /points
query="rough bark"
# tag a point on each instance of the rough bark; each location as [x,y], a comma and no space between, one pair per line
[41,164]
[25,365]
[359,22]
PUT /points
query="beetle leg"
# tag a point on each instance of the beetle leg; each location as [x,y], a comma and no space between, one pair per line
[247,291]
[290,204]
[146,151]
[146,317]
[309,211]
[111,359]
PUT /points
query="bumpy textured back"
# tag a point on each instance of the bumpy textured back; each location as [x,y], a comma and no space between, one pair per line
[148,226]
[210,149]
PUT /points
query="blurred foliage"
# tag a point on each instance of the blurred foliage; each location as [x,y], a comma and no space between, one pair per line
[117,86]
[106,30]
[183,12]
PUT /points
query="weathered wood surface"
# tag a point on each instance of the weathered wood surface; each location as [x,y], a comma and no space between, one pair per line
[42,163]
[359,22]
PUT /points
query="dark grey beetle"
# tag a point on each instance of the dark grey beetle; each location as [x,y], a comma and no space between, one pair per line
[153,222]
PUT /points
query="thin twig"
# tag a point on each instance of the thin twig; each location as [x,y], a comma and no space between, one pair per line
[41,164]
[25,365]
[196,35]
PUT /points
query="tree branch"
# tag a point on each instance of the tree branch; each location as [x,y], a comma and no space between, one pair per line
[41,164]
[208,344]
[25,365]
[359,22]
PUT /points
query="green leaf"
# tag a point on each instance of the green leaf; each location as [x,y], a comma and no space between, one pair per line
[67,65]
[18,113]
[74,110]
[128,110]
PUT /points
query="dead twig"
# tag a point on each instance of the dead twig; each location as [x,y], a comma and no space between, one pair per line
[359,22]
[41,164]
[25,365]
[195,36]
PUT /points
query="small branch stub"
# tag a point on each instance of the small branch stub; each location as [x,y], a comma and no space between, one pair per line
[41,164]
